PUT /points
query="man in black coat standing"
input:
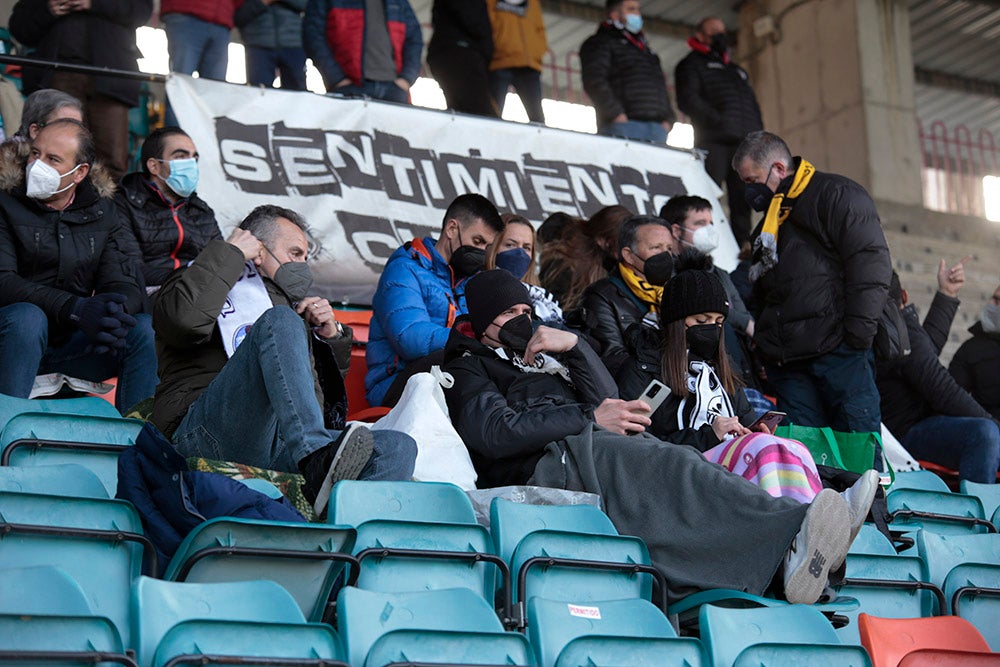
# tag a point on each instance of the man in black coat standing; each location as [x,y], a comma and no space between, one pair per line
[622,75]
[715,92]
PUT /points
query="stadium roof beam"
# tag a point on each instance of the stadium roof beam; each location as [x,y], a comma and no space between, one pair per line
[956,82]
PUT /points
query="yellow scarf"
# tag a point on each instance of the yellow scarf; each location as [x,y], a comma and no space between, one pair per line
[649,294]
[765,247]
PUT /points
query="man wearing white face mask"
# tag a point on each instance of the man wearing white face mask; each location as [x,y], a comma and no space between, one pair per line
[171,223]
[976,365]
[70,285]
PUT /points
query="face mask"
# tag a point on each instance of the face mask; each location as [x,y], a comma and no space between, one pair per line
[43,180]
[516,332]
[703,340]
[658,269]
[633,23]
[183,177]
[467,260]
[990,318]
[514,261]
[758,195]
[704,239]
[294,279]
[719,43]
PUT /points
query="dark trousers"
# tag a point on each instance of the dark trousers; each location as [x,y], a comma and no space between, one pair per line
[289,64]
[465,80]
[527,83]
[718,166]
[106,118]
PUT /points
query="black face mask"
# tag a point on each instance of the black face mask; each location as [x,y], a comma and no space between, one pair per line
[658,269]
[719,43]
[703,340]
[516,332]
[466,260]
[758,195]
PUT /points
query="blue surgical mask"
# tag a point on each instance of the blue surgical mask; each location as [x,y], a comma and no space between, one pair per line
[633,23]
[183,178]
[514,261]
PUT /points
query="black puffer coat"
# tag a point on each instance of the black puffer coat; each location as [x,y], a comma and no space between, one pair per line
[718,98]
[506,416]
[621,77]
[103,36]
[169,236]
[832,276]
[461,23]
[976,368]
[50,258]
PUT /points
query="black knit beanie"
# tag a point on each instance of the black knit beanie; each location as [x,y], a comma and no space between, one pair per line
[489,293]
[694,289]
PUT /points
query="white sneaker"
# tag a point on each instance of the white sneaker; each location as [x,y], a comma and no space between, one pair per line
[820,545]
[859,499]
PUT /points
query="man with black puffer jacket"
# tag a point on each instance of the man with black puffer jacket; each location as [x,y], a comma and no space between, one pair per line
[976,365]
[623,77]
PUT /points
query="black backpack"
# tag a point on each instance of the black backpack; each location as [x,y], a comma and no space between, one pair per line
[892,340]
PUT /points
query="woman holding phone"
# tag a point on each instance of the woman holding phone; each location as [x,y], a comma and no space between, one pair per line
[706,407]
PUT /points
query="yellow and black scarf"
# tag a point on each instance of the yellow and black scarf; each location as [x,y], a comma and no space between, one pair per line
[765,246]
[648,294]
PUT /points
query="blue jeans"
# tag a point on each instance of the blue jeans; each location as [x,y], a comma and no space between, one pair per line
[970,445]
[25,353]
[379,90]
[261,408]
[836,389]
[196,46]
[289,63]
[528,84]
[638,130]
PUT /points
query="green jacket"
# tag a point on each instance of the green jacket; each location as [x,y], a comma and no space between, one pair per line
[189,347]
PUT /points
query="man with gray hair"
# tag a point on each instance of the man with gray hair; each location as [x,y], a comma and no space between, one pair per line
[44,106]
[252,366]
[820,268]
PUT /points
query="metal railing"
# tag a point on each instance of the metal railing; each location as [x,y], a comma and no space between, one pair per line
[955,160]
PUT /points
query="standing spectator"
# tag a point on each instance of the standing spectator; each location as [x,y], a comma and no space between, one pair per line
[519,45]
[715,92]
[364,47]
[822,282]
[624,79]
[171,223]
[976,365]
[459,55]
[70,287]
[87,32]
[198,36]
[44,106]
[272,33]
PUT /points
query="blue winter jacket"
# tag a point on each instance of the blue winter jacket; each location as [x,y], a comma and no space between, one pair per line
[172,500]
[415,304]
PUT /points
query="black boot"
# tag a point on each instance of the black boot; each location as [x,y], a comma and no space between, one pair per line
[344,458]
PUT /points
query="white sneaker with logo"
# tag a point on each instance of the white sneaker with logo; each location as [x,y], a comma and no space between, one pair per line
[820,545]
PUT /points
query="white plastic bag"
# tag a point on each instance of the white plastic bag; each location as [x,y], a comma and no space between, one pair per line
[422,414]
[895,455]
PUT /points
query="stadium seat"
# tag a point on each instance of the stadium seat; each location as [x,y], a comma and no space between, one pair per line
[249,619]
[352,503]
[10,407]
[618,632]
[263,486]
[889,640]
[357,401]
[871,541]
[99,543]
[949,513]
[787,635]
[32,439]
[924,480]
[306,559]
[68,479]
[943,658]
[988,494]
[454,626]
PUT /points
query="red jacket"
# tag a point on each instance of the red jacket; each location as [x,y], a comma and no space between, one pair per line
[219,12]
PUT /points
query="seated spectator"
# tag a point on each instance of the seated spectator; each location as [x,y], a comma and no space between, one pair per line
[420,293]
[582,255]
[367,47]
[44,106]
[922,405]
[976,365]
[514,251]
[70,286]
[272,34]
[633,291]
[459,55]
[707,407]
[235,330]
[552,227]
[539,408]
[171,223]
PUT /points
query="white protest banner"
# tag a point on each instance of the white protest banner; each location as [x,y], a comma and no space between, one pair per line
[369,176]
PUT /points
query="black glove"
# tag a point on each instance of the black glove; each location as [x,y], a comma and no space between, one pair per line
[104,320]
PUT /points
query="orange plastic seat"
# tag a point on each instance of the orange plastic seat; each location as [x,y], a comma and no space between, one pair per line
[357,403]
[890,640]
[940,658]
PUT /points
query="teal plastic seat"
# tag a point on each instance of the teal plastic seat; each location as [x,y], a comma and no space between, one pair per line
[41,590]
[101,547]
[247,618]
[924,480]
[953,513]
[453,626]
[68,479]
[788,635]
[87,405]
[353,502]
[510,522]
[617,632]
[263,486]
[33,439]
[871,541]
[988,494]
[305,559]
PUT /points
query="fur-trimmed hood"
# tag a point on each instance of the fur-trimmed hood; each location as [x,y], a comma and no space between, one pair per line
[14,156]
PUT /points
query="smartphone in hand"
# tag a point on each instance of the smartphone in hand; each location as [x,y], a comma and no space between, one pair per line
[654,394]
[772,419]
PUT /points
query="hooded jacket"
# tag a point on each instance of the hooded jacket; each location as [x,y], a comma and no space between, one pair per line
[518,34]
[52,258]
[274,26]
[976,368]
[169,235]
[415,304]
[507,416]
